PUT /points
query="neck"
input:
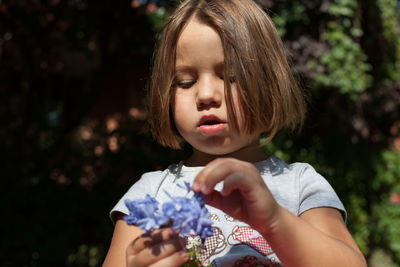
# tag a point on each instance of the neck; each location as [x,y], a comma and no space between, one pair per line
[252,153]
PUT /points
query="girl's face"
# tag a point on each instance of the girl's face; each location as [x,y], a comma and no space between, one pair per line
[200,110]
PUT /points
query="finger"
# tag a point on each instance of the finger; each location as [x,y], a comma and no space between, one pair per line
[213,173]
[150,239]
[234,181]
[231,206]
[151,255]
[248,186]
[202,176]
[175,259]
[214,199]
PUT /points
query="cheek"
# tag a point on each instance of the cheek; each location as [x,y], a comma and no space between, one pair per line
[177,106]
[181,110]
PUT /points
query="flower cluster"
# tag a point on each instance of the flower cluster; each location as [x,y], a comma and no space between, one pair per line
[187,216]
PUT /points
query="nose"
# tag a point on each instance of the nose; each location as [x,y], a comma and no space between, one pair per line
[210,92]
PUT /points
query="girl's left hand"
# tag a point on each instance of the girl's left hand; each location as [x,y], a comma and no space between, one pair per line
[244,196]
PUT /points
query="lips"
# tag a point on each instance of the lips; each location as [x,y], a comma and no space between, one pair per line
[211,124]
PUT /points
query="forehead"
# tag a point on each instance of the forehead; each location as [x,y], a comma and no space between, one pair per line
[198,41]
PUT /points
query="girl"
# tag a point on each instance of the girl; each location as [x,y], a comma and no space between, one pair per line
[220,81]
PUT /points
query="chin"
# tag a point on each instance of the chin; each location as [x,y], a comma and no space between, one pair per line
[217,151]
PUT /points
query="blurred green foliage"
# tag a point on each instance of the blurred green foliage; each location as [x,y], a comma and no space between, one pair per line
[352,133]
[73,124]
[346,63]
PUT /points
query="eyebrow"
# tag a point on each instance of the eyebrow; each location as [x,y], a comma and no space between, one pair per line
[183,68]
[188,68]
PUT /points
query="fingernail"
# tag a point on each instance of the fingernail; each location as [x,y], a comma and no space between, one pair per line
[205,190]
[195,187]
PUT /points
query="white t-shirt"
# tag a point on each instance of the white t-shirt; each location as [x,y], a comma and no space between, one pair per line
[296,187]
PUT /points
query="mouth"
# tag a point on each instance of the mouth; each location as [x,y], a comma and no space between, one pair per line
[209,120]
[211,124]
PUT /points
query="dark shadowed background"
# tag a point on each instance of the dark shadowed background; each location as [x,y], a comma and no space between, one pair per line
[73,129]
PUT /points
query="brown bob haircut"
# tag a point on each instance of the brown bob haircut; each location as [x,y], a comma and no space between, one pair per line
[269,96]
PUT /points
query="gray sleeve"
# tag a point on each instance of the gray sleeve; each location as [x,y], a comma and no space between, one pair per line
[147,184]
[315,191]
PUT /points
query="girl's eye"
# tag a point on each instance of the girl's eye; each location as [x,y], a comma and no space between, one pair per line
[185,84]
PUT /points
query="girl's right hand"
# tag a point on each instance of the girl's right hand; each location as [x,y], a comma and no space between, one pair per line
[158,248]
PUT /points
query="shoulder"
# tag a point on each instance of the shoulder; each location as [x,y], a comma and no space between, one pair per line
[298,186]
[277,166]
[156,174]
[150,183]
[152,175]
[314,190]
[301,175]
[157,177]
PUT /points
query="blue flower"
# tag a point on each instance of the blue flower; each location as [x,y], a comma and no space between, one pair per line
[200,198]
[187,186]
[144,213]
[204,225]
[169,209]
[188,215]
